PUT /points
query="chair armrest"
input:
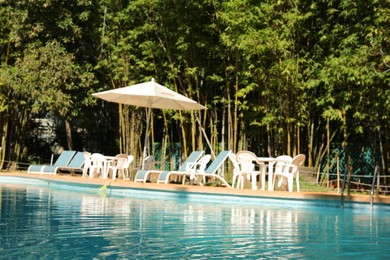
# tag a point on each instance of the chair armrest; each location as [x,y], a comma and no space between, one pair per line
[191,166]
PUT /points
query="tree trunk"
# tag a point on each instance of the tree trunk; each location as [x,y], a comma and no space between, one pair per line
[125,127]
[327,151]
[229,121]
[289,129]
[269,136]
[164,142]
[151,131]
[4,143]
[223,130]
[310,131]
[68,132]
[235,130]
[184,138]
[193,131]
[345,146]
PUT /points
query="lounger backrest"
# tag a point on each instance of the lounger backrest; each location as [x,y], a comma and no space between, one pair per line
[194,157]
[77,161]
[64,158]
[214,166]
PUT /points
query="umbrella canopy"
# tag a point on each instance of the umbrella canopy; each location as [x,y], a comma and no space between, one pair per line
[150,95]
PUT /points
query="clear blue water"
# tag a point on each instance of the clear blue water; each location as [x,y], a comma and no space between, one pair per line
[45,223]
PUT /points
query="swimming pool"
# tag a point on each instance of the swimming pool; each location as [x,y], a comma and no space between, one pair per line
[39,222]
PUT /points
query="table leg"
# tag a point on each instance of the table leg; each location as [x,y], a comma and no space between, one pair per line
[254,179]
[262,172]
[105,170]
[270,176]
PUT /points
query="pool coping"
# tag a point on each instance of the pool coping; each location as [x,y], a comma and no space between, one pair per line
[328,197]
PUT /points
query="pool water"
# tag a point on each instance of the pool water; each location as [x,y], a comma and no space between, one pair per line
[43,223]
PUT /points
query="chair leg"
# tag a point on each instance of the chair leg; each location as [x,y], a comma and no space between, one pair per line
[263,172]
[253,181]
[114,172]
[234,180]
[297,180]
[280,182]
[240,181]
[92,172]
[290,180]
[126,174]
[263,180]
[85,171]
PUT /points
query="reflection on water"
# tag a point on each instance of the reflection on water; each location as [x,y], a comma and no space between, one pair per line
[42,223]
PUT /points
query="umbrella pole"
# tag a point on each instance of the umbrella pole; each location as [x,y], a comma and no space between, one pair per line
[205,136]
[144,154]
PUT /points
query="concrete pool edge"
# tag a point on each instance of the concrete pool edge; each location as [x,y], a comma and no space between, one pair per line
[218,194]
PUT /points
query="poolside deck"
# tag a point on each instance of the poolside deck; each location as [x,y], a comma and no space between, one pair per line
[328,196]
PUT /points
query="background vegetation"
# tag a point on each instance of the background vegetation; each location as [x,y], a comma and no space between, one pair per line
[278,77]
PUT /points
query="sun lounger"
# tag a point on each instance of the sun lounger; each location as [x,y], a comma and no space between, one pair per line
[63,160]
[209,172]
[143,175]
[212,169]
[75,165]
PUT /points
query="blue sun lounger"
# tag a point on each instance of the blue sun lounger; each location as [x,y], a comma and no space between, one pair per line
[143,175]
[63,160]
[209,172]
[76,164]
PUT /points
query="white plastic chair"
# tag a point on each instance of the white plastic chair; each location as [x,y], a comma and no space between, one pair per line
[130,159]
[87,163]
[247,162]
[198,167]
[117,166]
[237,174]
[291,171]
[97,165]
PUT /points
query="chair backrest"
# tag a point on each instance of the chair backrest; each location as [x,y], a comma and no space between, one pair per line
[87,155]
[236,164]
[282,161]
[219,160]
[193,158]
[121,162]
[130,159]
[299,160]
[87,162]
[121,155]
[203,163]
[97,159]
[77,161]
[284,158]
[246,159]
[64,158]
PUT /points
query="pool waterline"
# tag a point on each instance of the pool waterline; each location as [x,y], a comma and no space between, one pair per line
[196,193]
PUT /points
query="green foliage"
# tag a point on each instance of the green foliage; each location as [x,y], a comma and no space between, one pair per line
[279,67]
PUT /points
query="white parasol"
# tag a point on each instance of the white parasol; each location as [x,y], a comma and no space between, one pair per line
[150,95]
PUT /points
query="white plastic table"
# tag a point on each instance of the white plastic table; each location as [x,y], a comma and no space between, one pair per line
[271,162]
[106,163]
